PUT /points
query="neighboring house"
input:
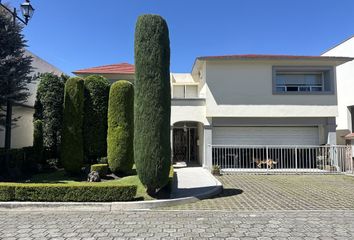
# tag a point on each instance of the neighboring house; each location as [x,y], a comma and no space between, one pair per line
[345,73]
[247,100]
[22,131]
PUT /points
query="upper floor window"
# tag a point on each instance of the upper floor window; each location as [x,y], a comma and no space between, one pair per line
[302,81]
[185,91]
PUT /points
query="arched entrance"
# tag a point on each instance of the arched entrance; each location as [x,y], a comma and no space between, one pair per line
[187,142]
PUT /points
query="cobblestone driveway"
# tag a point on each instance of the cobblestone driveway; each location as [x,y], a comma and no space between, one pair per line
[177,225]
[281,192]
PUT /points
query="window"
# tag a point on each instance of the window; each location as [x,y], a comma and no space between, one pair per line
[300,81]
[185,91]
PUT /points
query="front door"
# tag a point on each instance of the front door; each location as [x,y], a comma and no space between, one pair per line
[184,145]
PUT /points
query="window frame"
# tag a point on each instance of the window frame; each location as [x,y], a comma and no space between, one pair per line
[185,90]
[304,70]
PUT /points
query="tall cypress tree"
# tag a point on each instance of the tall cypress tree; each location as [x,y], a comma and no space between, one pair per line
[120,135]
[152,102]
[95,117]
[72,148]
[15,69]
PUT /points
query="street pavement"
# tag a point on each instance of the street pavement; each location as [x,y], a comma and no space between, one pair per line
[178,225]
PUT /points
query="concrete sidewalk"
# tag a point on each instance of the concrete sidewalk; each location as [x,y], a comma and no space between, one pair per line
[194,182]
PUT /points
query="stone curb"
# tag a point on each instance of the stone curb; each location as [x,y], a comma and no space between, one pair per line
[111,206]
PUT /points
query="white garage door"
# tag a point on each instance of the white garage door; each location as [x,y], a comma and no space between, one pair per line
[265,136]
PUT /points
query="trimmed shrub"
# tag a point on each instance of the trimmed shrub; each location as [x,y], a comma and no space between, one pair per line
[102,169]
[7,193]
[152,102]
[120,137]
[95,117]
[38,140]
[72,150]
[92,192]
[49,109]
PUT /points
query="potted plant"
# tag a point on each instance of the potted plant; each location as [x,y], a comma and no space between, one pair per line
[215,170]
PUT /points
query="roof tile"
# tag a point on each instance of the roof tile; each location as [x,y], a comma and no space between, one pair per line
[120,68]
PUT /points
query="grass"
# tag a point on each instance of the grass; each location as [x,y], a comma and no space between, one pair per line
[61,177]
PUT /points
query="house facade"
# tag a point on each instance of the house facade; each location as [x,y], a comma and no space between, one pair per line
[247,100]
[22,130]
[345,72]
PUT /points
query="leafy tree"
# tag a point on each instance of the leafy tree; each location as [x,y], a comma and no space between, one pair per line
[152,102]
[95,117]
[15,69]
[72,150]
[49,109]
[120,136]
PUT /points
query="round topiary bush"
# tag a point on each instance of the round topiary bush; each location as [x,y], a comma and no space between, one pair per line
[152,102]
[72,152]
[120,137]
[95,117]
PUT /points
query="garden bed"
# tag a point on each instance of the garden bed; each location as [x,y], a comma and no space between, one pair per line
[58,186]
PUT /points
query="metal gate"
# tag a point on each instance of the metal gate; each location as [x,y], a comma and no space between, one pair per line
[283,159]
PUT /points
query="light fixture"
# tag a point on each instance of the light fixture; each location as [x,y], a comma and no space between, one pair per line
[27,10]
[185,127]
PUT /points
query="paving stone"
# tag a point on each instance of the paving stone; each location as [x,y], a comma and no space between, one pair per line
[279,192]
[269,208]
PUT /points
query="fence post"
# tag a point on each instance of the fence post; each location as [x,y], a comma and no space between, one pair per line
[296,159]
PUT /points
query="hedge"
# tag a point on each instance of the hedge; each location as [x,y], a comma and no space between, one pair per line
[72,150]
[102,169]
[152,102]
[67,193]
[95,117]
[120,137]
[20,164]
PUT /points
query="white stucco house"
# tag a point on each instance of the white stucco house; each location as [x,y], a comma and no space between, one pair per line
[345,85]
[22,131]
[247,100]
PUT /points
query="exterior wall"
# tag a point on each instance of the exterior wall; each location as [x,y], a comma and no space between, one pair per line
[192,110]
[245,89]
[40,66]
[200,143]
[22,131]
[345,76]
[326,126]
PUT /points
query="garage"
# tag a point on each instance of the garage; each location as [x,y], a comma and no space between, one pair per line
[265,135]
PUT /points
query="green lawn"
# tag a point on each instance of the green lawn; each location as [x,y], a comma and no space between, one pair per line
[61,177]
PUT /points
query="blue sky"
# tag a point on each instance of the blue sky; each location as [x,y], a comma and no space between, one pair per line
[75,34]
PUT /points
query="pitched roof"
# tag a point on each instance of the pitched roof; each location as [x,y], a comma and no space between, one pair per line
[271,57]
[338,44]
[119,68]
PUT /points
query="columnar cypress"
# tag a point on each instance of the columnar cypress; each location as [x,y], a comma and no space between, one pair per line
[38,140]
[152,102]
[120,135]
[95,117]
[71,151]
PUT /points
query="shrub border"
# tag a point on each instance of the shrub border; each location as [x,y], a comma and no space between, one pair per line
[38,192]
